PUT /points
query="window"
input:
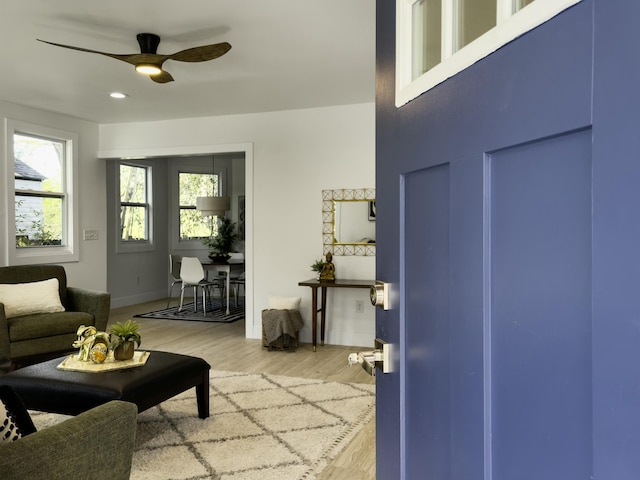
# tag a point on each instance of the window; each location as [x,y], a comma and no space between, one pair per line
[42,221]
[134,203]
[193,226]
[438,38]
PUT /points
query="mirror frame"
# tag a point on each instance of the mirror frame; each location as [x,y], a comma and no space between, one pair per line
[329,197]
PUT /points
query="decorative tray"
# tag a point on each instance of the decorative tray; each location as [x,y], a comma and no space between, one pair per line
[72,363]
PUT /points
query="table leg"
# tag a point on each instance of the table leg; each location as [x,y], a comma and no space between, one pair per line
[323,314]
[202,396]
[314,316]
[228,286]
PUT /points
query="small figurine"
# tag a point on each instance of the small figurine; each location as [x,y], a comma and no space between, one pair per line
[328,273]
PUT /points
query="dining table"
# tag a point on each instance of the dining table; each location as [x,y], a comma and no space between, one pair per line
[226,266]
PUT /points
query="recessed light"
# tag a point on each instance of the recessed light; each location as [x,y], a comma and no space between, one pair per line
[118,95]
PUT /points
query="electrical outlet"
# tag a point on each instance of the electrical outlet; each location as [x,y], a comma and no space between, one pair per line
[90,234]
[359,306]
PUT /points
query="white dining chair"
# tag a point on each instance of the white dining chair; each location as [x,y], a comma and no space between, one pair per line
[192,275]
[174,273]
[236,283]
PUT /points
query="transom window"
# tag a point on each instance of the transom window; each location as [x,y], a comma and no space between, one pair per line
[42,223]
[435,39]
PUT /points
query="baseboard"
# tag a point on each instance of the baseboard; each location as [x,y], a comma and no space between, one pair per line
[345,338]
[139,298]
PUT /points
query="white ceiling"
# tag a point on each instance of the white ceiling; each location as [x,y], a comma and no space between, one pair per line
[286,54]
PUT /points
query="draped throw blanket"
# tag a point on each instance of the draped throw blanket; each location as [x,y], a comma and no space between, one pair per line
[280,328]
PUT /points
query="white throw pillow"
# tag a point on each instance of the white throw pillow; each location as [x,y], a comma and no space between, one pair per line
[284,303]
[34,297]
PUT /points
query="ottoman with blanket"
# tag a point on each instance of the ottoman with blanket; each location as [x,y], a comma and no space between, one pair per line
[281,323]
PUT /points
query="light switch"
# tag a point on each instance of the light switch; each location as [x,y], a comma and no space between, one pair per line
[90,234]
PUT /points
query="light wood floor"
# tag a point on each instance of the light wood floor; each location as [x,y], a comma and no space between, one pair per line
[225,348]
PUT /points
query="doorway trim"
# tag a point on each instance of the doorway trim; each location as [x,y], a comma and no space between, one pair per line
[192,150]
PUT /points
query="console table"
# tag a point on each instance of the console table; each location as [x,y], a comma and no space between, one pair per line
[316,284]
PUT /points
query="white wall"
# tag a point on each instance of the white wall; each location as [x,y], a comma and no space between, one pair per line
[295,155]
[91,271]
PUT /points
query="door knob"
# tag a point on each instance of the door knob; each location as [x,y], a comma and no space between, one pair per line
[380,358]
[379,295]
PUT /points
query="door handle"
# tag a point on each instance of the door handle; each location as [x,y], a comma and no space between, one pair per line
[380,358]
[379,295]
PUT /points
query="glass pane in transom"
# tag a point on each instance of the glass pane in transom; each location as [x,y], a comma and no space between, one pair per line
[426,50]
[473,18]
[520,4]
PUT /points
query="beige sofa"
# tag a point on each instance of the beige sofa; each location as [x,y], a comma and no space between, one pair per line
[26,337]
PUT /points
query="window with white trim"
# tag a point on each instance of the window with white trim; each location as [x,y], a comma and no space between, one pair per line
[42,222]
[134,203]
[435,39]
[191,185]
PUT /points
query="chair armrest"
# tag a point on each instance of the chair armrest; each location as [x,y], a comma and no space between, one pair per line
[90,301]
[95,444]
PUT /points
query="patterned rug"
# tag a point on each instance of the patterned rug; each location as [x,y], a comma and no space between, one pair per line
[261,427]
[215,313]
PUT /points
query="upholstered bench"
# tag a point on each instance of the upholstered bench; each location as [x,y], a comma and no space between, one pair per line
[45,388]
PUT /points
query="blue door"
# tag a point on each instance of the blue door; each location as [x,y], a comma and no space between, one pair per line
[508,227]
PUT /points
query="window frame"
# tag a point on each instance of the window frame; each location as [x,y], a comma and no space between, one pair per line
[188,170]
[190,165]
[510,24]
[69,251]
[134,246]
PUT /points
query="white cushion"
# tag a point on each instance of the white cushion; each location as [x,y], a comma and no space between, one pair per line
[284,303]
[34,297]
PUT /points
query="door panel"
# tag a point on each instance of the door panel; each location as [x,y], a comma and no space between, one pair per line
[540,248]
[427,369]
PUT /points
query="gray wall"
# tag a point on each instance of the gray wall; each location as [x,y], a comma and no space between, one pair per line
[138,274]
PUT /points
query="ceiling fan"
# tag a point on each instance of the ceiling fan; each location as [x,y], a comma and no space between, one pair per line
[149,62]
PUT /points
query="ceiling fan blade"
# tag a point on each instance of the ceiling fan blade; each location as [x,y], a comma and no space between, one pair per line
[150,42]
[131,58]
[202,53]
[164,77]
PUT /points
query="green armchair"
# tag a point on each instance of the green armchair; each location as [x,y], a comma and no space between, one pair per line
[95,444]
[45,334]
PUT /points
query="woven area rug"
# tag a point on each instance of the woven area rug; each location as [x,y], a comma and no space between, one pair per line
[261,427]
[215,313]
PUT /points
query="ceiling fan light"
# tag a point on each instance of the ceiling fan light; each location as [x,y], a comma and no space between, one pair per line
[148,69]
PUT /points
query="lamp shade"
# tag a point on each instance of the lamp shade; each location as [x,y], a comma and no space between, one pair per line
[210,206]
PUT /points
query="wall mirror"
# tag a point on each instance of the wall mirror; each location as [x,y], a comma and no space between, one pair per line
[349,221]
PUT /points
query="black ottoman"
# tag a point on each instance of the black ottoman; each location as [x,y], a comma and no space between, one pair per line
[45,388]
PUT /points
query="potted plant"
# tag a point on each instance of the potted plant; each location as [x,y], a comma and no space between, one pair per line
[123,337]
[317,267]
[221,244]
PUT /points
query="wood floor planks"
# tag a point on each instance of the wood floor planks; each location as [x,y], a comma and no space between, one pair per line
[225,348]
